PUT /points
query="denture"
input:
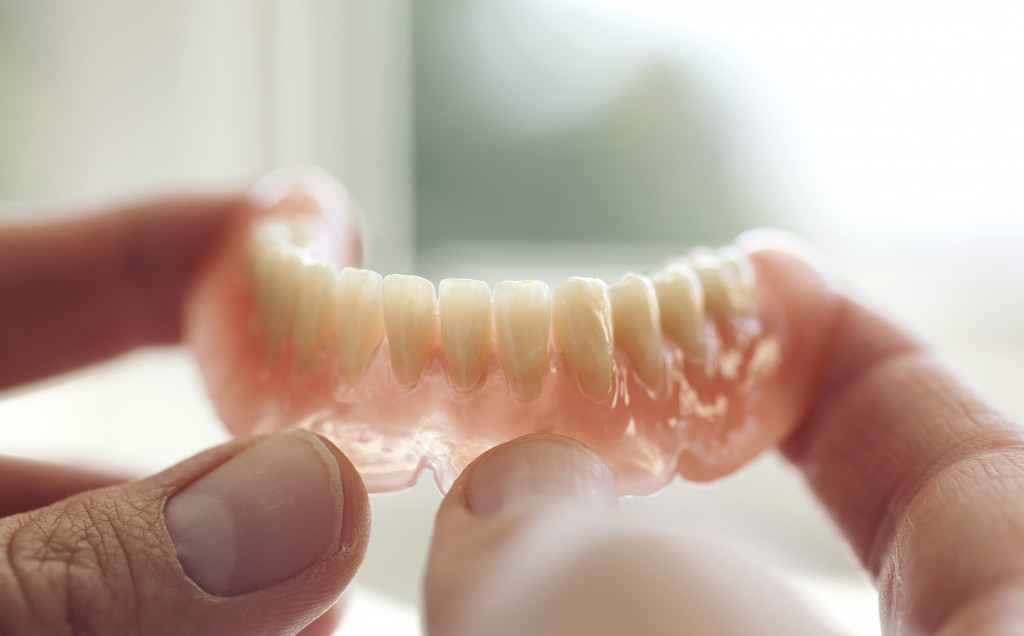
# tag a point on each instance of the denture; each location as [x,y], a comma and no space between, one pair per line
[688,369]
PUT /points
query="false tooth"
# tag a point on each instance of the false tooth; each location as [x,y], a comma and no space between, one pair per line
[286,272]
[410,311]
[314,310]
[722,280]
[465,309]
[637,326]
[360,320]
[707,265]
[740,271]
[262,252]
[681,303]
[582,319]
[522,320]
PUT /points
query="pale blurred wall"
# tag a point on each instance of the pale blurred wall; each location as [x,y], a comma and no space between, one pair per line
[103,96]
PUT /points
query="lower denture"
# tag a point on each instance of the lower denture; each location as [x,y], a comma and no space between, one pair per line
[699,413]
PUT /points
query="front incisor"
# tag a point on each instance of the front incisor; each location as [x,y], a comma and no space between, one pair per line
[360,320]
[637,326]
[582,319]
[522,320]
[410,312]
[465,310]
[681,303]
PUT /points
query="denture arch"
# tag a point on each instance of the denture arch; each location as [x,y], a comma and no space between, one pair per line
[655,372]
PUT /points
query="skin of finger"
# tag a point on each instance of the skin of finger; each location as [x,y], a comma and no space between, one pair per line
[28,484]
[562,569]
[79,291]
[108,556]
[923,474]
[328,622]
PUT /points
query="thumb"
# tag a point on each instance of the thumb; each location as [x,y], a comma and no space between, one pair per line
[258,536]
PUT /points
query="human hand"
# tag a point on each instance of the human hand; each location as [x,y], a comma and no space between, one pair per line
[924,476]
[258,536]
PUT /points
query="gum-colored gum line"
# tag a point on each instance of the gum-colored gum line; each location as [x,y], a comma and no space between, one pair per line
[706,419]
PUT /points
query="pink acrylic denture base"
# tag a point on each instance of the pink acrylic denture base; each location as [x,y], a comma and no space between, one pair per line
[706,419]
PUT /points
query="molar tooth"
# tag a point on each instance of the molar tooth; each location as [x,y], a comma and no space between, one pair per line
[723,283]
[681,303]
[314,310]
[465,309]
[582,319]
[410,312]
[706,264]
[740,270]
[360,320]
[636,322]
[522,320]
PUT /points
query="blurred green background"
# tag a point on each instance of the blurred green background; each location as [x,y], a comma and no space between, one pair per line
[552,122]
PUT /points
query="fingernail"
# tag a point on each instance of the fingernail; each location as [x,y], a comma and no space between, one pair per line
[535,471]
[260,518]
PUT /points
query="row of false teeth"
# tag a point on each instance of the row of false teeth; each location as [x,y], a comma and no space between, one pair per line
[302,297]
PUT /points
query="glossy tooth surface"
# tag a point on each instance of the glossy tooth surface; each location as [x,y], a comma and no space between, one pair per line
[360,319]
[410,311]
[465,311]
[582,319]
[314,310]
[522,320]
[681,304]
[637,326]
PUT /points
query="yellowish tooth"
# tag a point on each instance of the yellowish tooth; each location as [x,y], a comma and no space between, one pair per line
[582,319]
[360,320]
[314,310]
[706,264]
[465,309]
[522,320]
[722,280]
[740,270]
[286,271]
[637,326]
[262,251]
[410,312]
[681,304]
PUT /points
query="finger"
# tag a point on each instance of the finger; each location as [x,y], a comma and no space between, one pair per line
[527,542]
[79,291]
[258,536]
[924,475]
[27,485]
[327,623]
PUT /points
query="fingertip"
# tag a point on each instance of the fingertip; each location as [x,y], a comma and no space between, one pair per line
[309,188]
[276,509]
[790,261]
[355,529]
[773,239]
[534,471]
